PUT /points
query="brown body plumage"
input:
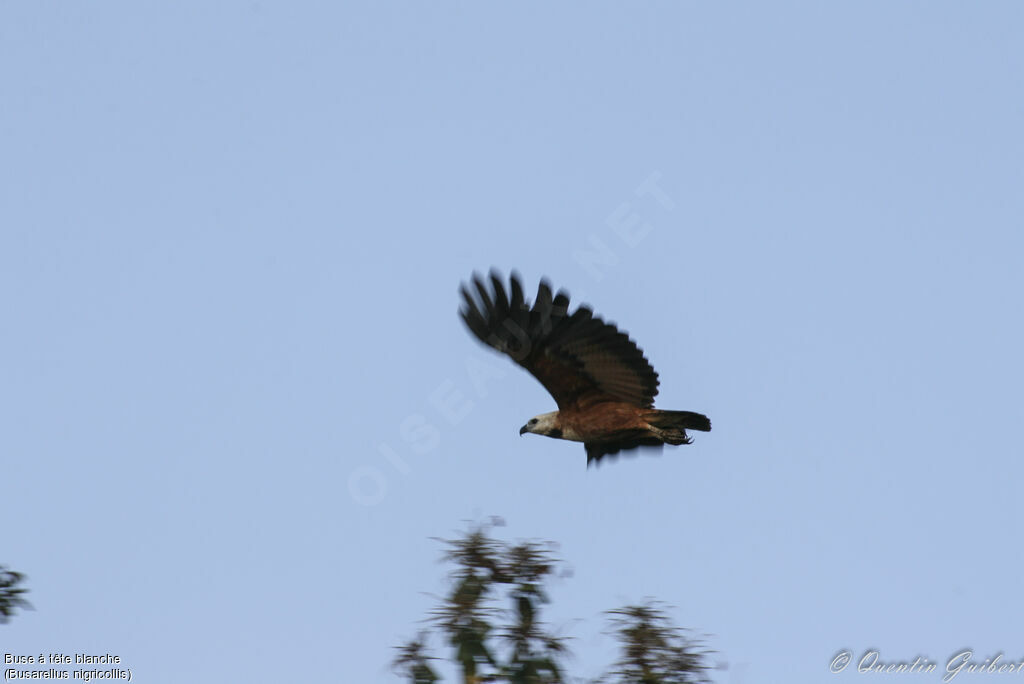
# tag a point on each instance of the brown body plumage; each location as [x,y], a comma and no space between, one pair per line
[601,381]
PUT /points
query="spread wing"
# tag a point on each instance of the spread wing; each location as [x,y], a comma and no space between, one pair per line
[580,359]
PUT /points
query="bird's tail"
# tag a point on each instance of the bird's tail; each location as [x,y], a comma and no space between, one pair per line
[672,425]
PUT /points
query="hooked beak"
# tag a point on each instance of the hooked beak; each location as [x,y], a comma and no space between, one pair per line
[523,431]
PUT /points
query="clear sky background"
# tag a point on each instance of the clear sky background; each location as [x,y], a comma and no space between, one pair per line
[231,237]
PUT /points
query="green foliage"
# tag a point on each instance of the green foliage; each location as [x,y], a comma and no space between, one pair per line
[522,651]
[490,644]
[11,593]
[414,664]
[465,615]
[653,650]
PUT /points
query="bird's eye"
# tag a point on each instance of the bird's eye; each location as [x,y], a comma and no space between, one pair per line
[533,421]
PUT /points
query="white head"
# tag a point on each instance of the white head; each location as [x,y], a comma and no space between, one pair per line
[544,424]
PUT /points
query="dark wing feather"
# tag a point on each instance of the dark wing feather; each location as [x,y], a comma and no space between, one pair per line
[579,358]
[598,450]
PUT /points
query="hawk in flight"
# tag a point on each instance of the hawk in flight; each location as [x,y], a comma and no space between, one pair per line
[600,379]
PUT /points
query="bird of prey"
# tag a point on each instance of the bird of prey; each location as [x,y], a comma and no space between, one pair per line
[600,379]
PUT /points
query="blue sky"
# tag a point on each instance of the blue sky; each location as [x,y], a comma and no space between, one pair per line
[231,238]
